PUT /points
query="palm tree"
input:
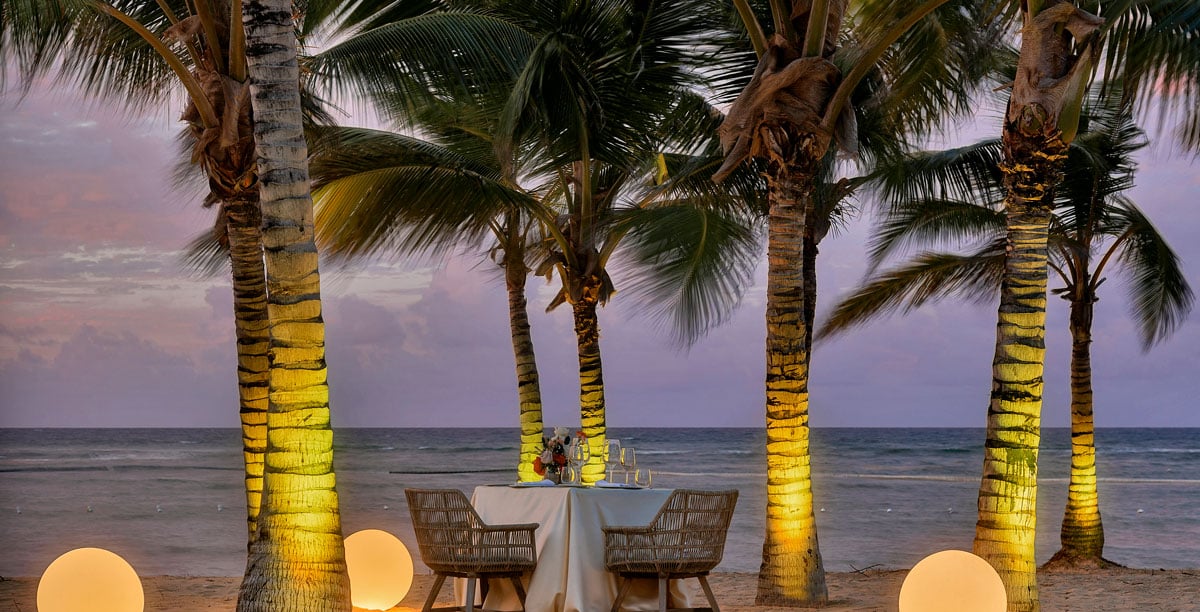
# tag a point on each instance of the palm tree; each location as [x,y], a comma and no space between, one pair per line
[955,196]
[297,562]
[787,116]
[382,192]
[1060,48]
[580,120]
[138,53]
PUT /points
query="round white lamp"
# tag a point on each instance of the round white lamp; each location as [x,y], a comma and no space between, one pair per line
[953,581]
[380,568]
[91,579]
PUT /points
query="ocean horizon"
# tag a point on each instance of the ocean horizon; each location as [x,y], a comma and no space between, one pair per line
[170,500]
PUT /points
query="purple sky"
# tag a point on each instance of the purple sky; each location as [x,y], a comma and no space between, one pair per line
[99,325]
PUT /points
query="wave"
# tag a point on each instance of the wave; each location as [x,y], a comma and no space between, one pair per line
[477,471]
[467,449]
[662,452]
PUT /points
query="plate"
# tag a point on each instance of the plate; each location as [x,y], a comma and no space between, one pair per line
[615,485]
[535,483]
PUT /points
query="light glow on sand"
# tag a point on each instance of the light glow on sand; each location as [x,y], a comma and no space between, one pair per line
[952,581]
[380,567]
[90,579]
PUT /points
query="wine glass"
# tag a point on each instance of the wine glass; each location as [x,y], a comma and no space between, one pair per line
[577,455]
[629,462]
[612,458]
[643,478]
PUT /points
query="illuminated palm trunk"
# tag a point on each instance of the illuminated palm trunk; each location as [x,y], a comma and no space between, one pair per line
[253,336]
[591,382]
[297,563]
[791,573]
[1082,534]
[529,391]
[1006,528]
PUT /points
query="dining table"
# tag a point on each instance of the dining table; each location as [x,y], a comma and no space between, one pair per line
[570,575]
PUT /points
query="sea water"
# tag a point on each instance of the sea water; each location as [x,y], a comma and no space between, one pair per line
[171,500]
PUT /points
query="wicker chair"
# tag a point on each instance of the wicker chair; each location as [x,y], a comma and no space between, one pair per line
[686,539]
[454,541]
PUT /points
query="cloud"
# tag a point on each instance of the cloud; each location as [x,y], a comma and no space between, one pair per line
[100,379]
[102,327]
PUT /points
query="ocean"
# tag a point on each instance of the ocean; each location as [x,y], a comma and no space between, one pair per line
[171,502]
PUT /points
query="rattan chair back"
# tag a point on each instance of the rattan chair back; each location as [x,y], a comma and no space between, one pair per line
[686,537]
[454,540]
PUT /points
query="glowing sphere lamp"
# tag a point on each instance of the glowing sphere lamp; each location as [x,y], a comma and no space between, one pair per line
[381,570]
[952,581]
[90,579]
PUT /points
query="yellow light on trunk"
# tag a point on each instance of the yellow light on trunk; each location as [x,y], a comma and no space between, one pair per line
[90,579]
[381,570]
[952,581]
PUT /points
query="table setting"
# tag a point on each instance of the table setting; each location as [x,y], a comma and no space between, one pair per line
[570,575]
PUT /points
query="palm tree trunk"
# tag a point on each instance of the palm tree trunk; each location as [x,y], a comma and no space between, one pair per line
[1082,534]
[1006,528]
[297,563]
[243,222]
[810,280]
[591,382]
[529,391]
[791,573]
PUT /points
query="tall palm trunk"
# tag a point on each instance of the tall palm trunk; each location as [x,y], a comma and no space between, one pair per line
[529,391]
[1006,528]
[252,325]
[791,573]
[297,563]
[591,379]
[1082,534]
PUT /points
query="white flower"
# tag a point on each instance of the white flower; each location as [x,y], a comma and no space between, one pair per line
[562,432]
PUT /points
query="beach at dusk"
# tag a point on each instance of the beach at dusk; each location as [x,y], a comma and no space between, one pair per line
[579,305]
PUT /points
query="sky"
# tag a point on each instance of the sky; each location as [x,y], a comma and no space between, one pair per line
[102,326]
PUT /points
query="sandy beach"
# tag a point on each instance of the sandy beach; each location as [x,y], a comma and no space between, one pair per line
[1114,590]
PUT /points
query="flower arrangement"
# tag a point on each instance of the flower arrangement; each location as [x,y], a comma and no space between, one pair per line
[553,459]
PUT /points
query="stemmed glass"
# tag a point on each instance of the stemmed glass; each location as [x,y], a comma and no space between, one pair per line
[612,458]
[629,462]
[577,455]
[643,478]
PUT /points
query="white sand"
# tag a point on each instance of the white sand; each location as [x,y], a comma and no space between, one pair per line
[1112,590]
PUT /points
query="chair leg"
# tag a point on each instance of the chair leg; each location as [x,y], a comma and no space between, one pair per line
[433,593]
[712,601]
[469,602]
[663,591]
[516,580]
[483,591]
[624,590]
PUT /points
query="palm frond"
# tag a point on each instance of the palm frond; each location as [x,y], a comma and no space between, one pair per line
[690,266]
[422,58]
[1153,50]
[379,192]
[206,257]
[1159,294]
[970,173]
[33,34]
[931,222]
[939,65]
[337,18]
[928,277]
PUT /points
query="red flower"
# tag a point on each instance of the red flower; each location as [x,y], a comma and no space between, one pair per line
[538,467]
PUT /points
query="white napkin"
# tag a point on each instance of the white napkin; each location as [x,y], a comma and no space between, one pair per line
[536,483]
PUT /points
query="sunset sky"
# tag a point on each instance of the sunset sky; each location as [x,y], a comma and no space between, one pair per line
[101,326]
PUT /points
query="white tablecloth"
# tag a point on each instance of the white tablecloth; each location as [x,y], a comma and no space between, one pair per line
[570,574]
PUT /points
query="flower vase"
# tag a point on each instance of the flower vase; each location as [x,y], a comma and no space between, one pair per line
[555,477]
